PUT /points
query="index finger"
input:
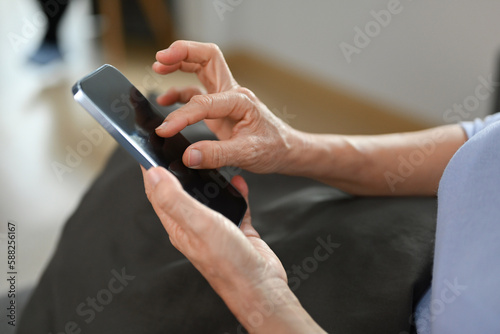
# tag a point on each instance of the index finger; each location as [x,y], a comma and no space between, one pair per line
[232,105]
[204,59]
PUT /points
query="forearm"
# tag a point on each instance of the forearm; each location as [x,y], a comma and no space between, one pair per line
[394,164]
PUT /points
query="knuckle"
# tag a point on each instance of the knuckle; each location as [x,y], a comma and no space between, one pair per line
[246,99]
[218,156]
[164,198]
[214,48]
[202,100]
[163,202]
[246,92]
[248,103]
[243,98]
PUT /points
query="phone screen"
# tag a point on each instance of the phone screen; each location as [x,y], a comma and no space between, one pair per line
[131,119]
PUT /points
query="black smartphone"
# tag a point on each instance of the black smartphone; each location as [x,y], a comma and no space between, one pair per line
[131,119]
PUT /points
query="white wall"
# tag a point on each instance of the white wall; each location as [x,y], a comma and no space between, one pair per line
[427,59]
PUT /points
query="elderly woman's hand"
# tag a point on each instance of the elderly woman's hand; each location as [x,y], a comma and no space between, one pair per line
[251,137]
[240,267]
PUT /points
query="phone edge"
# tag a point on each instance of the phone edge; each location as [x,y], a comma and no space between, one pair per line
[138,154]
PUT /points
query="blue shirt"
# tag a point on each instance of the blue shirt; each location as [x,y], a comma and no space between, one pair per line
[465,292]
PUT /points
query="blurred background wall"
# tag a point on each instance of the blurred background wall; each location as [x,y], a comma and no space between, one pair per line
[427,58]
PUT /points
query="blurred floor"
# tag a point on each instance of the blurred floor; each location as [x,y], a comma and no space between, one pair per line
[40,124]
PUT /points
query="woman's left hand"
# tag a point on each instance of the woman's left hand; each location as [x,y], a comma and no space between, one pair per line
[236,262]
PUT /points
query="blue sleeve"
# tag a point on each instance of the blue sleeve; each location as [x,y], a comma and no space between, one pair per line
[473,127]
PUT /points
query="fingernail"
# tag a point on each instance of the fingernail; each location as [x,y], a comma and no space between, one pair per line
[154,176]
[162,126]
[194,158]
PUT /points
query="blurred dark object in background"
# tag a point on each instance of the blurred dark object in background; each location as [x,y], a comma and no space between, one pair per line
[49,50]
[140,20]
[496,98]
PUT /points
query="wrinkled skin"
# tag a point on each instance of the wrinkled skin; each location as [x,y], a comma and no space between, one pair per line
[237,263]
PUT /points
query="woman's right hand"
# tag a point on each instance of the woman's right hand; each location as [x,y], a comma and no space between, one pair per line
[250,135]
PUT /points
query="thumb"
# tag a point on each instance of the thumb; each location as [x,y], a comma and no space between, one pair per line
[210,154]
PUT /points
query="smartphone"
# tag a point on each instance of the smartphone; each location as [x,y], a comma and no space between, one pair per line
[131,119]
